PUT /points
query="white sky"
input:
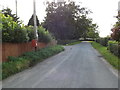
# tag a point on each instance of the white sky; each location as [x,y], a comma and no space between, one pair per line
[103,11]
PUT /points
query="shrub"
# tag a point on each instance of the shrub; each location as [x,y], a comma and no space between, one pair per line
[114,47]
[17,64]
[12,31]
[30,31]
[103,41]
[44,35]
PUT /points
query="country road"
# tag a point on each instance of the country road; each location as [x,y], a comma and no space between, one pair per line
[79,66]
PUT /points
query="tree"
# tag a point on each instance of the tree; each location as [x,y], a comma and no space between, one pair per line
[92,31]
[7,12]
[61,19]
[116,30]
[116,33]
[31,21]
[67,21]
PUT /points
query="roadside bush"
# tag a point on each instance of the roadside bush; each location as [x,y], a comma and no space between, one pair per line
[12,31]
[30,32]
[103,41]
[114,47]
[15,33]
[17,64]
[44,35]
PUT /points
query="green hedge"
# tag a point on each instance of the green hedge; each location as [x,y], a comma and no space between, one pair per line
[44,35]
[17,64]
[12,31]
[114,47]
[103,41]
[15,32]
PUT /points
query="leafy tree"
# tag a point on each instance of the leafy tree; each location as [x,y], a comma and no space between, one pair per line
[7,12]
[116,33]
[31,21]
[92,31]
[116,30]
[67,21]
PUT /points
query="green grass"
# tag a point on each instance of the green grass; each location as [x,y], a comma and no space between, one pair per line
[28,59]
[73,43]
[112,59]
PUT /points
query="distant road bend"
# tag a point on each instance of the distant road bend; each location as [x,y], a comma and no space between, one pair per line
[79,66]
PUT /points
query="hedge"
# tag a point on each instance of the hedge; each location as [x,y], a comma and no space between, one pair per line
[15,32]
[114,47]
[103,41]
[17,64]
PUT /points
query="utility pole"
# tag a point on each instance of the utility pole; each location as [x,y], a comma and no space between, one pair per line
[34,41]
[34,15]
[16,7]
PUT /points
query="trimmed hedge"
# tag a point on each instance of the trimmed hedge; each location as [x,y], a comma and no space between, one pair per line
[17,64]
[114,47]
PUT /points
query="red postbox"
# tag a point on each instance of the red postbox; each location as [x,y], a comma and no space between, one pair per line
[34,43]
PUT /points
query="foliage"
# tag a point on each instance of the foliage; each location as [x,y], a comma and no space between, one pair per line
[30,31]
[12,31]
[114,47]
[14,66]
[17,64]
[7,12]
[92,31]
[44,35]
[116,33]
[112,59]
[116,30]
[31,21]
[103,41]
[15,33]
[67,21]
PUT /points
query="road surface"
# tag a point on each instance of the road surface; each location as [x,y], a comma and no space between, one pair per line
[79,66]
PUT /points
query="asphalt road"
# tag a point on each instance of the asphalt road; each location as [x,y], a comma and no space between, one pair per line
[79,66]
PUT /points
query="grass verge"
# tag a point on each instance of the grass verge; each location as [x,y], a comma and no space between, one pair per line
[73,43]
[17,64]
[112,59]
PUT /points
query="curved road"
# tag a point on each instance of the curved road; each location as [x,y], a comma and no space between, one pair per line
[79,66]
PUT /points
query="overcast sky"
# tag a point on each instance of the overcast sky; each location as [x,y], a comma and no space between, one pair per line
[103,11]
